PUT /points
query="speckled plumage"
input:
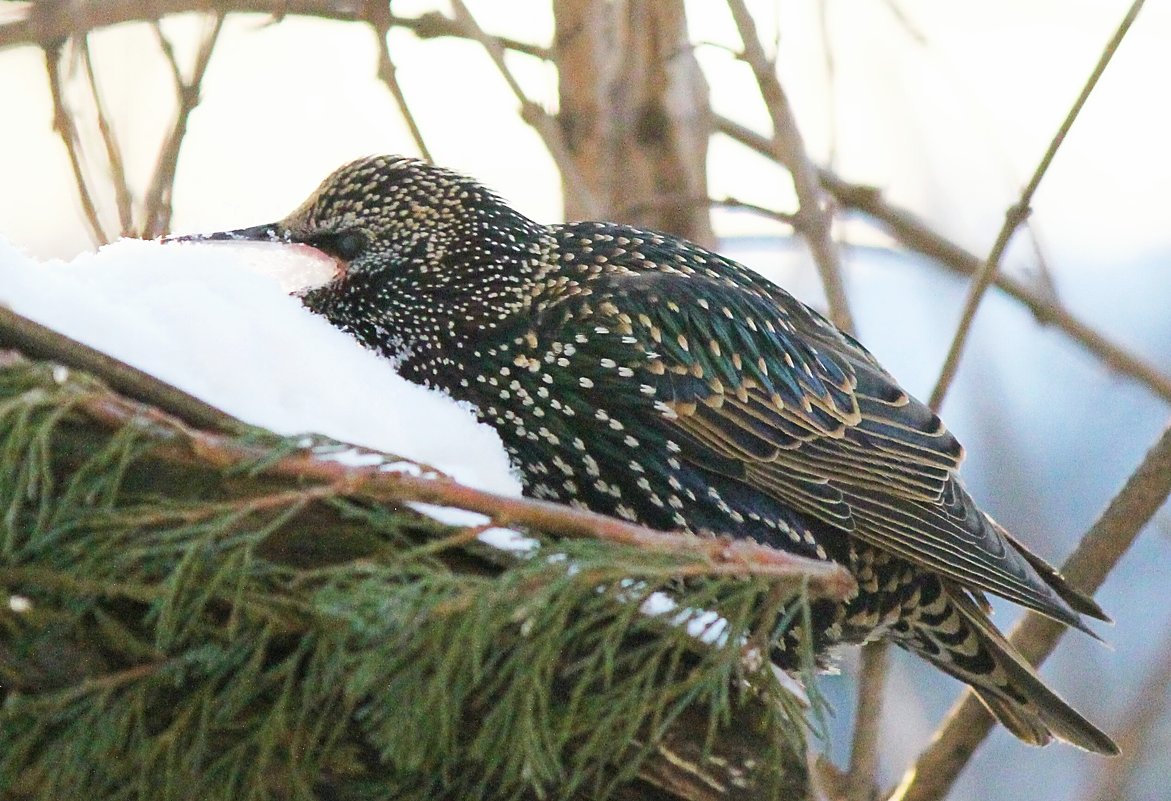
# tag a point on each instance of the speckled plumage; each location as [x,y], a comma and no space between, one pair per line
[641,376]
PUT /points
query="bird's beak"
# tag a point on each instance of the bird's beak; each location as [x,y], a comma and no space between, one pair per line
[298,268]
[257,233]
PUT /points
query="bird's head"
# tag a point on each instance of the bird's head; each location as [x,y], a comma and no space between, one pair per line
[420,251]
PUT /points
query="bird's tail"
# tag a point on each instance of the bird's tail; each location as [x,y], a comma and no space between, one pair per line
[956,635]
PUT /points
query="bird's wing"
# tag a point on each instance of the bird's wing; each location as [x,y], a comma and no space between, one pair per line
[754,383]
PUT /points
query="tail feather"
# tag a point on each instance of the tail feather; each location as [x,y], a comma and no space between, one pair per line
[1080,601]
[957,637]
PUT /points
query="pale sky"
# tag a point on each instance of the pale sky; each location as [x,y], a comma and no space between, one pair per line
[949,113]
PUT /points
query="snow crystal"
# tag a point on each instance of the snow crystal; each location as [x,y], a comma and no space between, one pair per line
[216,320]
[505,539]
[702,624]
[450,515]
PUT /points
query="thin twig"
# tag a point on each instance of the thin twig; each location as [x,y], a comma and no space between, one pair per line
[532,113]
[917,236]
[831,80]
[968,723]
[862,776]
[122,195]
[436,24]
[39,342]
[380,21]
[814,217]
[1016,215]
[157,212]
[905,22]
[1137,726]
[920,238]
[45,23]
[1042,271]
[63,124]
[686,201]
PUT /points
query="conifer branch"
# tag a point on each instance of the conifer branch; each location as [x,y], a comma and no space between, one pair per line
[219,624]
[720,556]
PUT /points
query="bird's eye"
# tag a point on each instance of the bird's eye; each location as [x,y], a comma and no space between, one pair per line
[349,245]
[346,246]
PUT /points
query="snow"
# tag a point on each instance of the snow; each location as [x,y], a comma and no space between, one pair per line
[216,320]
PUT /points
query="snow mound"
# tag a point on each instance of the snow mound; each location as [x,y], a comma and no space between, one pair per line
[216,321]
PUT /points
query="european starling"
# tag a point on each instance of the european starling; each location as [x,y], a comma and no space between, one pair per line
[641,376]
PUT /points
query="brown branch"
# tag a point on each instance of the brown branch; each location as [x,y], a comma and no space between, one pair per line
[38,342]
[724,202]
[917,236]
[1016,215]
[862,776]
[920,238]
[436,25]
[814,217]
[50,22]
[181,443]
[158,207]
[63,124]
[1099,551]
[380,20]
[532,113]
[1137,725]
[122,195]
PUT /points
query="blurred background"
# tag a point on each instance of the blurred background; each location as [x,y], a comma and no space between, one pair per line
[647,113]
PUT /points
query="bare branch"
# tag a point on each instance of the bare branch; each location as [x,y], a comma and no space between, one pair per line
[1016,215]
[49,22]
[861,780]
[720,556]
[435,25]
[721,202]
[532,113]
[1138,724]
[380,20]
[815,219]
[917,236]
[63,124]
[157,213]
[920,238]
[968,723]
[38,342]
[122,196]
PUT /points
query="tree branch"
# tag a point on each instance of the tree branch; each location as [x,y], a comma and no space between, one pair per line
[49,22]
[380,20]
[1138,724]
[814,218]
[122,195]
[968,723]
[918,237]
[157,212]
[38,342]
[1016,215]
[532,113]
[862,775]
[63,124]
[181,443]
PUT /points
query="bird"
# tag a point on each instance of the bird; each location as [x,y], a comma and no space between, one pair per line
[638,375]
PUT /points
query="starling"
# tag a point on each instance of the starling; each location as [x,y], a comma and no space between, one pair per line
[641,376]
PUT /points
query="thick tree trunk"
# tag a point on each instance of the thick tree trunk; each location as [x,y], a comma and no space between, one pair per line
[635,112]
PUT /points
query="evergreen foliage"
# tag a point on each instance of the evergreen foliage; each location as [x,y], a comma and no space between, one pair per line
[174,628]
